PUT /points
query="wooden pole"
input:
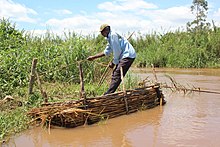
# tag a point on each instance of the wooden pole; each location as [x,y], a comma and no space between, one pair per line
[43,93]
[82,92]
[122,80]
[156,81]
[130,36]
[103,76]
[124,90]
[32,76]
[193,90]
[154,73]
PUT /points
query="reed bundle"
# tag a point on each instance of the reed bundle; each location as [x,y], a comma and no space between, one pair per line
[95,109]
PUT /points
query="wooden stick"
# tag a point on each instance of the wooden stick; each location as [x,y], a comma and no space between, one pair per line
[124,90]
[154,73]
[194,90]
[103,77]
[122,80]
[156,81]
[32,76]
[130,35]
[82,92]
[43,93]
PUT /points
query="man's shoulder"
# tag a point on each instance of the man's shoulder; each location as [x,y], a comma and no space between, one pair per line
[113,35]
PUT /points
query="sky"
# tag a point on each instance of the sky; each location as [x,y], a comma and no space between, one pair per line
[86,16]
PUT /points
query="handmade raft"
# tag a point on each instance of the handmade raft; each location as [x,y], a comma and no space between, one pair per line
[92,110]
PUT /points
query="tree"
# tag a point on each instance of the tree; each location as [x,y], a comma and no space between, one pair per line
[199,8]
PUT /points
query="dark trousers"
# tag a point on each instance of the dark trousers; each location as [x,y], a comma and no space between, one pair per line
[116,75]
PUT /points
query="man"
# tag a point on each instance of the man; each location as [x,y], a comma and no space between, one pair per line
[123,55]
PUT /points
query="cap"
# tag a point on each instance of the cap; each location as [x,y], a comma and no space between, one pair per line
[103,26]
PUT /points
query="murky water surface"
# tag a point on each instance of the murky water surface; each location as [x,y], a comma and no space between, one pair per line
[186,120]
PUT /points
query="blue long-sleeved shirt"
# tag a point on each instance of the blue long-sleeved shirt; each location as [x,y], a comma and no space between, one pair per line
[119,46]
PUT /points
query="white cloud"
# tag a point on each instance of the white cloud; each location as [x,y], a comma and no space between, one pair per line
[124,18]
[63,12]
[216,17]
[18,12]
[87,24]
[126,5]
[124,22]
[80,24]
[172,14]
[217,13]
[169,19]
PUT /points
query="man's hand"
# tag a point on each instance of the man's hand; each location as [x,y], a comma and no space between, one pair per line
[91,58]
[111,65]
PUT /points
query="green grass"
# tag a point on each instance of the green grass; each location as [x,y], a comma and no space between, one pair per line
[180,49]
[13,121]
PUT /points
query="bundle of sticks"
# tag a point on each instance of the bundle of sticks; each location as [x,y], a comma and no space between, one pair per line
[81,112]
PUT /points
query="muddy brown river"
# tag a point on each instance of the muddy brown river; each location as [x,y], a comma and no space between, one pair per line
[187,120]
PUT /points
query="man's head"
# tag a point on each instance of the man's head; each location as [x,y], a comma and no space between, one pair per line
[105,29]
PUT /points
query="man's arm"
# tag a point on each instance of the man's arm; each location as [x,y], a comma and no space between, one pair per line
[99,55]
[91,58]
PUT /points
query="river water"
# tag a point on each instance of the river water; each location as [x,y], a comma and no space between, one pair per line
[187,120]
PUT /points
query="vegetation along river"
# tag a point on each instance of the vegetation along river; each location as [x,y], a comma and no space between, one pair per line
[190,119]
